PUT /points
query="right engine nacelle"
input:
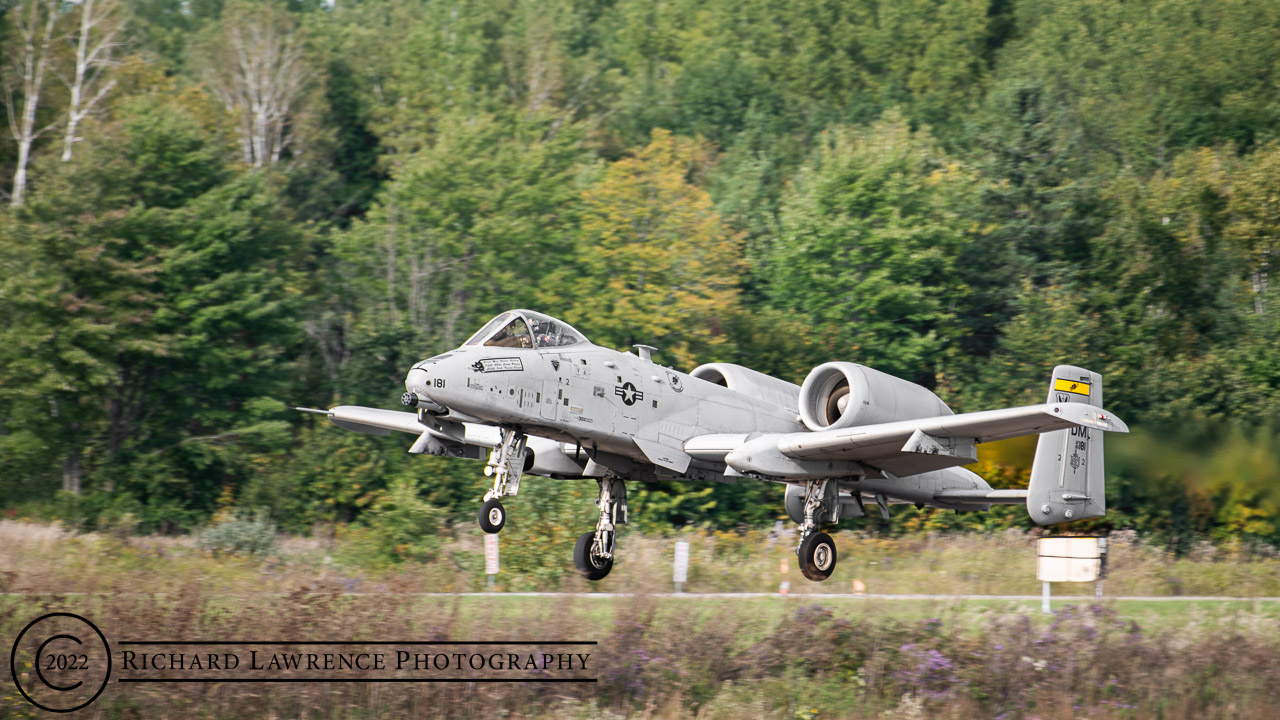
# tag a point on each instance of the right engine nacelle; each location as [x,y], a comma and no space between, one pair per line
[844,394]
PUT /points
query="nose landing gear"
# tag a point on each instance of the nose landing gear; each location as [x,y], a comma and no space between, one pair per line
[492,516]
[506,465]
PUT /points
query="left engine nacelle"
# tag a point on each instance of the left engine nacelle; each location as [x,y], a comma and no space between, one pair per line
[749,382]
[844,394]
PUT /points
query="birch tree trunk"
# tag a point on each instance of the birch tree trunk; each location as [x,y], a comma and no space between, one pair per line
[27,67]
[72,468]
[101,24]
[72,472]
[258,72]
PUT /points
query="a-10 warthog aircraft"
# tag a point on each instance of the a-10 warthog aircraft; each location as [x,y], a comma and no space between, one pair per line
[534,394]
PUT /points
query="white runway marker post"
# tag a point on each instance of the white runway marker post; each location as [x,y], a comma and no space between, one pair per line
[680,574]
[1068,559]
[491,557]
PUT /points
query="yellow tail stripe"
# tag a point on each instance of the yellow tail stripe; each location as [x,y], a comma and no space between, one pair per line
[1078,387]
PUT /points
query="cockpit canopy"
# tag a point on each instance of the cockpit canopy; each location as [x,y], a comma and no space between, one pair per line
[526,329]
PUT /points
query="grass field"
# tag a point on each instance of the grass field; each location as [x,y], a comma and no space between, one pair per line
[46,558]
[668,657]
[767,657]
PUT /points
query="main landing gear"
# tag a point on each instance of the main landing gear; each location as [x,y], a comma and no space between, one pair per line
[506,465]
[817,556]
[593,553]
[817,550]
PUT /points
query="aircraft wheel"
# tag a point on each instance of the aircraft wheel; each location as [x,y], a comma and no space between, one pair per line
[591,567]
[492,516]
[818,556]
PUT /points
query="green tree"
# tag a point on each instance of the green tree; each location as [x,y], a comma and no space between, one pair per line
[654,262]
[544,522]
[399,526]
[155,312]
[867,245]
[1035,208]
[1147,79]
[465,228]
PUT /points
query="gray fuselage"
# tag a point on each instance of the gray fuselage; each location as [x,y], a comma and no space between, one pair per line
[591,396]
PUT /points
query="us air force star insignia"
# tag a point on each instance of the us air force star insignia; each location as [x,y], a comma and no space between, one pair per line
[628,393]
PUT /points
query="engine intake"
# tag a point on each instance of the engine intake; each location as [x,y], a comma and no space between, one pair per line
[842,394]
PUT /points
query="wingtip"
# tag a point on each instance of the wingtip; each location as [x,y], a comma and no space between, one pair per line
[1114,424]
[1084,414]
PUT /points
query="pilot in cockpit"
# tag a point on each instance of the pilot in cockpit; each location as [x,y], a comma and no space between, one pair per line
[514,335]
[550,333]
[525,329]
[546,333]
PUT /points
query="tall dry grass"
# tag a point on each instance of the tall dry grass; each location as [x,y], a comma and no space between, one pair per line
[675,658]
[654,662]
[47,558]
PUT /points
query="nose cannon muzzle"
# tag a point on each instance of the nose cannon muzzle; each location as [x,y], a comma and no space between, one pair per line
[415,400]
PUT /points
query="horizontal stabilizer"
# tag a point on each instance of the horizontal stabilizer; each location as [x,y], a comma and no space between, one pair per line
[985,497]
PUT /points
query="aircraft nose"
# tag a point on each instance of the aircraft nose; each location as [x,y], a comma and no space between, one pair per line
[415,385]
[425,384]
[416,380]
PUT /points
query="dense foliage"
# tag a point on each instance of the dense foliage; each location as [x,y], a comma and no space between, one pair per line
[221,209]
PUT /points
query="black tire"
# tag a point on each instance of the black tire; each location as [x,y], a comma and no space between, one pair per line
[492,516]
[591,567]
[817,556]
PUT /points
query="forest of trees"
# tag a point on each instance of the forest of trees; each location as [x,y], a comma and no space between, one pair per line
[218,210]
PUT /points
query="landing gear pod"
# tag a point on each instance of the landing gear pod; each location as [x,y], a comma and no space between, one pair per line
[833,509]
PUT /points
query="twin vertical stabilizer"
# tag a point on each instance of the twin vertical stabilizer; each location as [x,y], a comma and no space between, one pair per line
[1067,480]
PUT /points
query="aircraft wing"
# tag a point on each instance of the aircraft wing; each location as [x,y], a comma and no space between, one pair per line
[451,438]
[376,421]
[901,448]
